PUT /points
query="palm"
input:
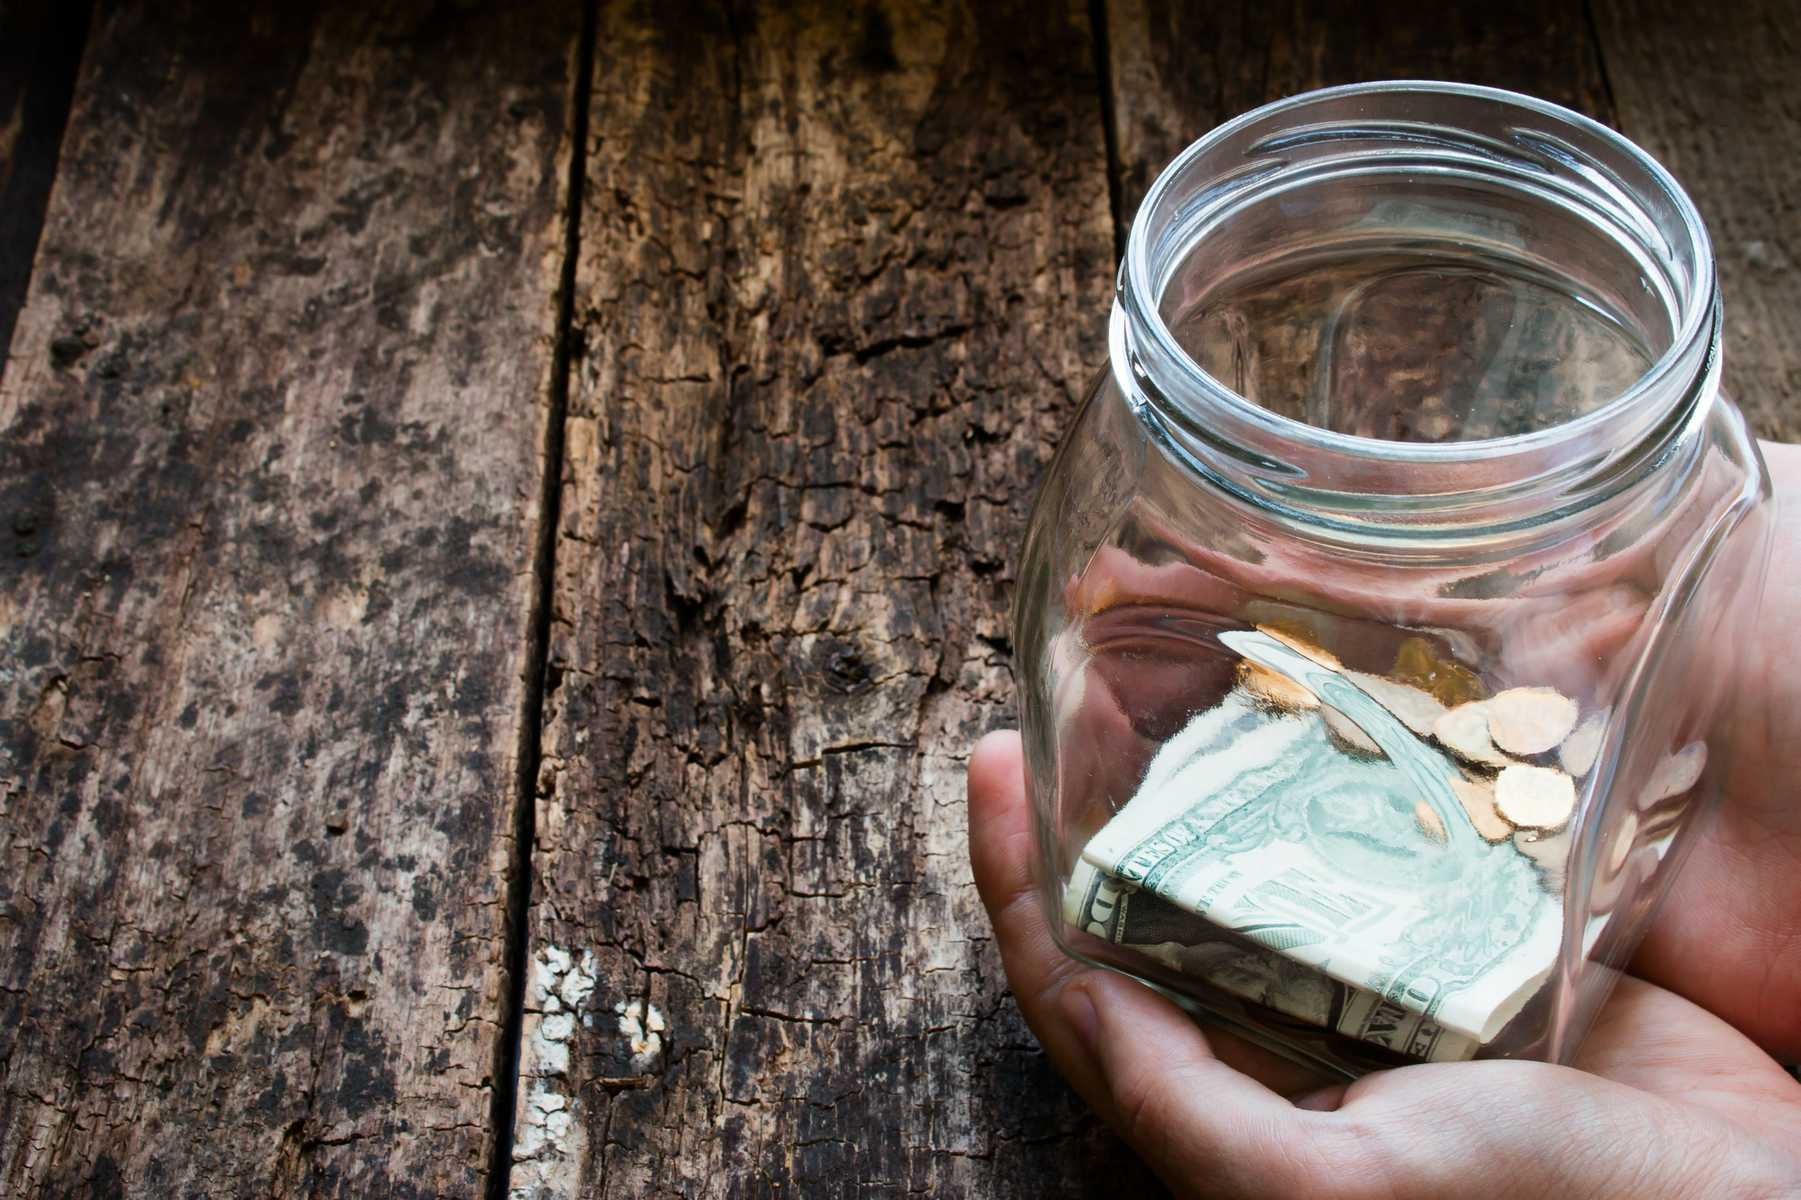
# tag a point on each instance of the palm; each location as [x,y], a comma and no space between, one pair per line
[1729,936]
[1671,1100]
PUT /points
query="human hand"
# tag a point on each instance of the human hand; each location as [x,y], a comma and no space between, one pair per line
[1669,1099]
[1729,936]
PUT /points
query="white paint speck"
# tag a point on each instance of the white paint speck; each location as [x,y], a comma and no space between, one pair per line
[549,1142]
[643,1028]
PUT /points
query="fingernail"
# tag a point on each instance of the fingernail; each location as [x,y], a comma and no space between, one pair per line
[1078,1010]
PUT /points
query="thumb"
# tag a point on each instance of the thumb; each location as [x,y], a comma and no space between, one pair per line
[1204,1127]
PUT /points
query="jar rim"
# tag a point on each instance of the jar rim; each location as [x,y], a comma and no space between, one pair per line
[1667,379]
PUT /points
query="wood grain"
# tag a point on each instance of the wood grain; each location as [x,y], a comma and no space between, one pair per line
[1179,68]
[269,483]
[1714,93]
[270,486]
[841,279]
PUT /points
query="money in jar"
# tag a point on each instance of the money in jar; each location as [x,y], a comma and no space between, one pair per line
[1375,618]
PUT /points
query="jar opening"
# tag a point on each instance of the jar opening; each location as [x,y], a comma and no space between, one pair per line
[1431,296]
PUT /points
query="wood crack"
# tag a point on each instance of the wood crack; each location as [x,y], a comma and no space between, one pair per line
[506,1089]
[1103,74]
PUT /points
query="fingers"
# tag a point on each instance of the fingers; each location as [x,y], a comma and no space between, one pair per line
[1184,1100]
[1002,849]
[1203,1126]
[1667,1101]
[1209,1130]
[1000,831]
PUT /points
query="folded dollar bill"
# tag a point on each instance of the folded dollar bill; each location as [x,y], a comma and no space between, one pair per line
[1117,912]
[1256,820]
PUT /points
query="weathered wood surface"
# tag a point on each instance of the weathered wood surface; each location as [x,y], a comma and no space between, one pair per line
[276,427]
[841,279]
[269,480]
[1178,69]
[1715,93]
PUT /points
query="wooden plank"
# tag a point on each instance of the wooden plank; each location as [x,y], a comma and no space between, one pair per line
[1178,68]
[1717,100]
[842,277]
[40,52]
[269,482]
[1716,97]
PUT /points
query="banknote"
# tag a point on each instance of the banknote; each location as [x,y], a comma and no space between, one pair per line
[1119,913]
[1256,820]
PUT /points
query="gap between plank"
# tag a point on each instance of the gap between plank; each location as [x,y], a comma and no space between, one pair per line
[1103,73]
[41,47]
[531,722]
[1594,39]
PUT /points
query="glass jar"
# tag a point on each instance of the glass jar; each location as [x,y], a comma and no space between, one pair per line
[1379,614]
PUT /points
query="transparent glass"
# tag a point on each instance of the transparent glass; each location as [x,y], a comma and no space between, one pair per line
[1377,616]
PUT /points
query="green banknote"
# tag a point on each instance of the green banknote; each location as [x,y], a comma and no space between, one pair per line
[1257,821]
[1119,913]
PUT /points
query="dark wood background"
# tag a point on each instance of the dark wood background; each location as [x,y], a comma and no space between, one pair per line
[508,512]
